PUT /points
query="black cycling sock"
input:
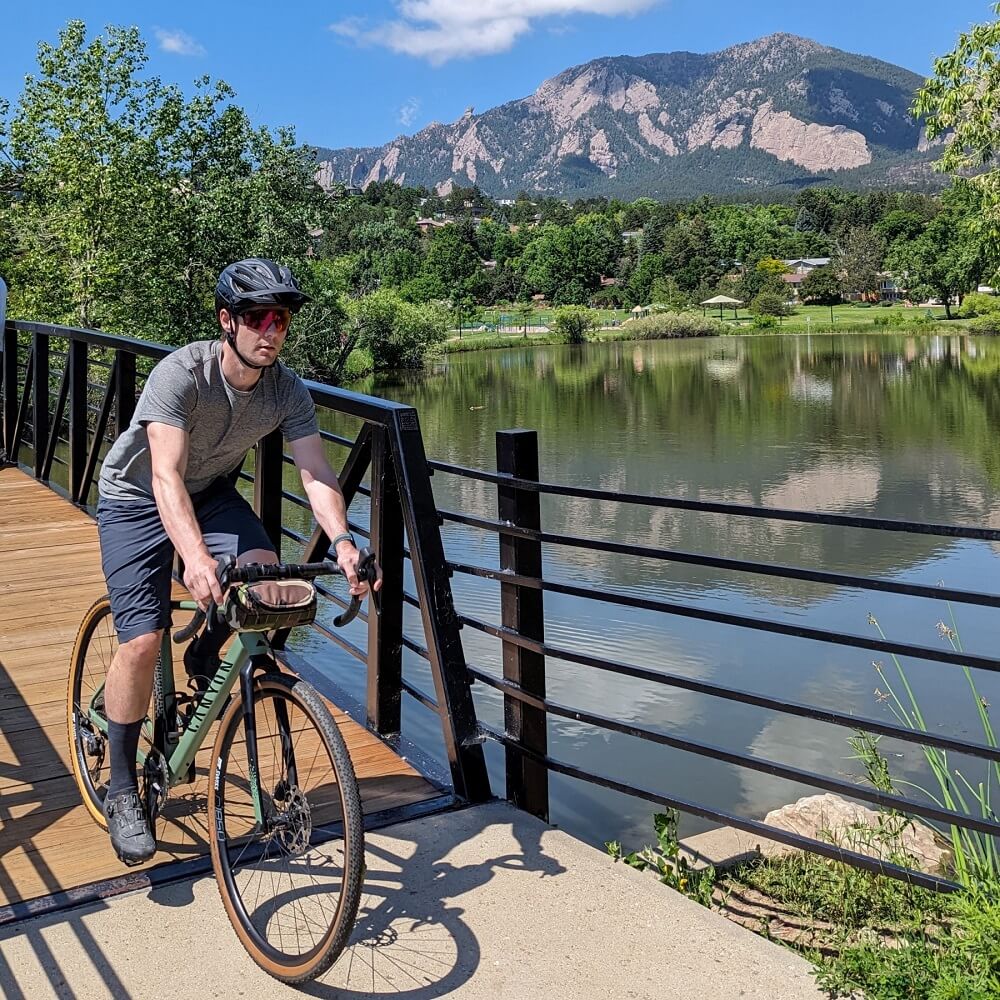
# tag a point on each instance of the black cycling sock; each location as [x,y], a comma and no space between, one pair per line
[123,742]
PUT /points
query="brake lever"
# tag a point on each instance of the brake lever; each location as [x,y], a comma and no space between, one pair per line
[367,573]
[225,565]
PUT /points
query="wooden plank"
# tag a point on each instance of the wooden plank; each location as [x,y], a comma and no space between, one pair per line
[51,560]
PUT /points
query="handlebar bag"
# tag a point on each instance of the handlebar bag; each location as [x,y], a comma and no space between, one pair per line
[247,609]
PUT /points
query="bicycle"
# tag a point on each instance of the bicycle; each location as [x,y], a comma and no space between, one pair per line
[272,825]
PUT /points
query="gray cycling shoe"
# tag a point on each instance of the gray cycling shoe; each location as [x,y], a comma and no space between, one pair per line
[130,834]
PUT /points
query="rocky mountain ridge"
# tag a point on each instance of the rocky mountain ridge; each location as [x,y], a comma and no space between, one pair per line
[779,111]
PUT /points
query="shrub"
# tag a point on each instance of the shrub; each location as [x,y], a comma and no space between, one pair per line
[573,323]
[986,324]
[359,364]
[765,321]
[770,304]
[397,334]
[979,304]
[664,326]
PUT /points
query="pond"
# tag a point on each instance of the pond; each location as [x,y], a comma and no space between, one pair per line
[880,425]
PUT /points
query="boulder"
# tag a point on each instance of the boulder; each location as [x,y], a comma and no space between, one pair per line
[855,827]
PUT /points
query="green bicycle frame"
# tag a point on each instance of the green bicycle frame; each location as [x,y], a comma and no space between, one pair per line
[179,747]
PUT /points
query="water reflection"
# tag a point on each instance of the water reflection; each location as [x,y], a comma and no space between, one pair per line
[899,427]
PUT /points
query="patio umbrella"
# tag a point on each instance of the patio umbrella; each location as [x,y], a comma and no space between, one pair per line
[720,301]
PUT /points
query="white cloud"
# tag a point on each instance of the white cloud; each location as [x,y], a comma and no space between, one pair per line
[439,30]
[180,43]
[408,112]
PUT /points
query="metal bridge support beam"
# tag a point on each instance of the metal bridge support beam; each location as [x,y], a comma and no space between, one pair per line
[40,404]
[385,630]
[521,611]
[462,737]
[10,392]
[268,473]
[79,431]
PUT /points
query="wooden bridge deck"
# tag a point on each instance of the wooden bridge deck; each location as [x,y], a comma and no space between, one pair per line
[50,573]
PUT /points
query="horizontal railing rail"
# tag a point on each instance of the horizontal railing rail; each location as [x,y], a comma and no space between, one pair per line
[528,709]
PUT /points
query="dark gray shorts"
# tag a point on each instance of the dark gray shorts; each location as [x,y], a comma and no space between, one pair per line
[137,556]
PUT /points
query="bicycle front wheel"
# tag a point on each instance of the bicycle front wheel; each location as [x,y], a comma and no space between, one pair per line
[291,884]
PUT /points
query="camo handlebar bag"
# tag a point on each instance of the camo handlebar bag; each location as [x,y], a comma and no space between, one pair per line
[246,610]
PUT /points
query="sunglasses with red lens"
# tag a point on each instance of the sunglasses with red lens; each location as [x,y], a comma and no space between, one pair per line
[261,319]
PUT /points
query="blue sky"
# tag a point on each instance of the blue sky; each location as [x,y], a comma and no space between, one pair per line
[359,73]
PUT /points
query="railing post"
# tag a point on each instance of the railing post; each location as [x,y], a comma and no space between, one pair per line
[10,399]
[40,405]
[3,366]
[521,610]
[124,391]
[385,630]
[267,486]
[79,429]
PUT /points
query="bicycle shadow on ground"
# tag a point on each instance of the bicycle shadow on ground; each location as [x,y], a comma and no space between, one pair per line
[410,940]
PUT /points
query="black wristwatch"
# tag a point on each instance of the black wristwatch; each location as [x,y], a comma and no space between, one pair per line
[345,536]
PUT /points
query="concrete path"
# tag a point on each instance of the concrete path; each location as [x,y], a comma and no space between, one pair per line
[484,903]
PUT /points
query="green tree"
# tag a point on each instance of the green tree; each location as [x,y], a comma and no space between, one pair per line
[453,261]
[525,312]
[319,339]
[769,304]
[947,259]
[398,334]
[130,199]
[821,286]
[859,259]
[960,105]
[574,322]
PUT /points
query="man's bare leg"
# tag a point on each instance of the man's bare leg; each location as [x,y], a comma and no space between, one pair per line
[129,684]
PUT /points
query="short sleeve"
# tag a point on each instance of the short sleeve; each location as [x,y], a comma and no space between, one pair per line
[169,397]
[300,414]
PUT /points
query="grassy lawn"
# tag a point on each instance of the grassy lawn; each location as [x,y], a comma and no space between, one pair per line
[848,317]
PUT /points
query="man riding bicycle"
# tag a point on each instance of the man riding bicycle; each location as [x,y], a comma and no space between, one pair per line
[168,484]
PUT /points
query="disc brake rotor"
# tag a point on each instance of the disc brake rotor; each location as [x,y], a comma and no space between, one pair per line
[293,826]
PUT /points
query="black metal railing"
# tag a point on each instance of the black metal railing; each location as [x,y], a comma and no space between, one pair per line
[95,394]
[404,527]
[525,651]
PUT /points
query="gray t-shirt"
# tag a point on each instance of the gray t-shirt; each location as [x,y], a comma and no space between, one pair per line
[188,390]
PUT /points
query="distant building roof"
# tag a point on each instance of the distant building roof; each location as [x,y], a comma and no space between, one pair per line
[808,261]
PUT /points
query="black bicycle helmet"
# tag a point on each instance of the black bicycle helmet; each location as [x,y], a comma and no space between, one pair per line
[257,282]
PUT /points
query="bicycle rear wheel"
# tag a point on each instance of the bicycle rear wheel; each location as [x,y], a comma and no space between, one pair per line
[95,647]
[290,886]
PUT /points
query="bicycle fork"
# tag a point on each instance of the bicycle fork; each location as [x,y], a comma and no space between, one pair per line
[250,729]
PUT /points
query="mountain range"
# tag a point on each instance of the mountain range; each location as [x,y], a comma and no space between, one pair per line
[779,112]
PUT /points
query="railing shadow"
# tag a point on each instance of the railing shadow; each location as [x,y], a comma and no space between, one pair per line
[35,799]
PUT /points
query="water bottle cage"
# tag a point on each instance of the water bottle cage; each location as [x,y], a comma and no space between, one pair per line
[246,610]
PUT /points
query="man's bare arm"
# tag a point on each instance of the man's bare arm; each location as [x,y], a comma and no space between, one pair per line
[327,501]
[168,452]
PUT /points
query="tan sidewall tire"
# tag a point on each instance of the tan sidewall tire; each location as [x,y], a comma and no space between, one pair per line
[78,650]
